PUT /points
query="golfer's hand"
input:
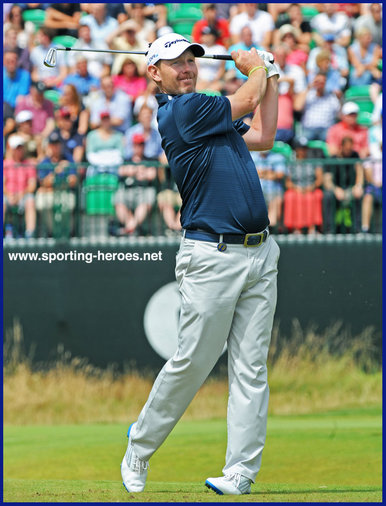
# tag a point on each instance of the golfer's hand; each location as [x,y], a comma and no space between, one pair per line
[245,61]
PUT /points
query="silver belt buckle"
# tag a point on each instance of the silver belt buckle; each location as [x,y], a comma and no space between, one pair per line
[253,240]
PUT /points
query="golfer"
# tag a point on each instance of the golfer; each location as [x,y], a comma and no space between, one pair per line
[226,266]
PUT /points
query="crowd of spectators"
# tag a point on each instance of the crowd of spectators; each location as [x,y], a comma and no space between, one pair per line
[94,113]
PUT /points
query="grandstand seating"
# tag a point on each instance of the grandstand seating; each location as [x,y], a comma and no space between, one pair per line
[64,40]
[365,118]
[284,149]
[183,16]
[99,190]
[319,145]
[36,16]
[53,96]
[361,96]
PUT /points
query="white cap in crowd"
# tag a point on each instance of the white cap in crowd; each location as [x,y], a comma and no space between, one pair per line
[350,108]
[15,141]
[170,46]
[23,116]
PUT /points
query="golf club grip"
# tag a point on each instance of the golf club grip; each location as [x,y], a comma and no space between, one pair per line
[227,57]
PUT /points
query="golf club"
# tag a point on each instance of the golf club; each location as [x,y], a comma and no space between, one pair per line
[50,59]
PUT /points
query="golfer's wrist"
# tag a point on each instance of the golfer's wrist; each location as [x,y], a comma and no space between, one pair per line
[255,69]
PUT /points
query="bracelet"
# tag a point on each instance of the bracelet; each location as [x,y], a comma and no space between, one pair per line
[255,68]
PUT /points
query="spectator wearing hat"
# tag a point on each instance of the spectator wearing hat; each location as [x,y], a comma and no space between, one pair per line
[83,81]
[318,107]
[348,127]
[42,109]
[125,38]
[137,192]
[339,60]
[32,143]
[294,17]
[72,142]
[16,81]
[19,184]
[364,56]
[57,179]
[297,55]
[210,72]
[335,83]
[331,21]
[260,22]
[129,80]
[373,21]
[211,18]
[245,44]
[51,77]
[116,101]
[100,23]
[11,43]
[153,149]
[72,100]
[303,196]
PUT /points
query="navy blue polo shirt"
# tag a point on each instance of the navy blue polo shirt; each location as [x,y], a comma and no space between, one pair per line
[211,164]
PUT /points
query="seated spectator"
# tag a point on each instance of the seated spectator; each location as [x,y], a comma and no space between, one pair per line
[210,72]
[335,83]
[372,21]
[72,142]
[98,64]
[129,80]
[9,123]
[348,127]
[71,99]
[303,195]
[146,26]
[57,183]
[104,145]
[83,81]
[51,77]
[11,44]
[16,81]
[272,169]
[117,102]
[294,17]
[332,22]
[169,203]
[372,178]
[125,38]
[260,22]
[152,138]
[137,193]
[246,44]
[319,109]
[42,109]
[148,98]
[100,23]
[32,143]
[63,18]
[338,54]
[343,190]
[19,184]
[296,56]
[117,11]
[364,56]
[24,29]
[212,19]
[292,81]
[231,83]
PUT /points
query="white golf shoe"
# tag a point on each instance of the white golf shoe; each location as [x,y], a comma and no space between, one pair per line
[133,469]
[231,484]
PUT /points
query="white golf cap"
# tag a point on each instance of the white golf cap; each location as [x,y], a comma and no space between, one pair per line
[170,46]
[15,141]
[350,108]
[23,116]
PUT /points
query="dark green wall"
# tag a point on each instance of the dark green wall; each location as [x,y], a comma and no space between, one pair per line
[96,310]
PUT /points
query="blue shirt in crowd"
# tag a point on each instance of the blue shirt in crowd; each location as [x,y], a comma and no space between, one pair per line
[211,164]
[12,88]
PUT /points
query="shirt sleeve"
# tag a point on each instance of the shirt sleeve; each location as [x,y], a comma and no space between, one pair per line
[240,127]
[199,116]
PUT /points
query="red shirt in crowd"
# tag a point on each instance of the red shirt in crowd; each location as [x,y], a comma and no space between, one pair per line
[222,26]
[358,134]
[40,115]
[17,175]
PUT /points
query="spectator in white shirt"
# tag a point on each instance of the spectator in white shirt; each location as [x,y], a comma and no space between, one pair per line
[101,25]
[260,22]
[333,22]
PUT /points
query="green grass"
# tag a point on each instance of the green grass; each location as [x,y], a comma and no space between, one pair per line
[330,457]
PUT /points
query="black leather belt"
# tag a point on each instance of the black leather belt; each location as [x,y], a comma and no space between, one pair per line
[248,240]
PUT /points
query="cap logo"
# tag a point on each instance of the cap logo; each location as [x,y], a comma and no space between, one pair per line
[170,43]
[152,58]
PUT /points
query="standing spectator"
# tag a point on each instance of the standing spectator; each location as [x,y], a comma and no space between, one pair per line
[296,55]
[19,184]
[211,72]
[11,43]
[272,170]
[343,189]
[152,148]
[126,38]
[42,109]
[372,178]
[335,83]
[319,109]
[364,56]
[72,142]
[137,193]
[331,21]
[129,80]
[211,19]
[63,18]
[83,81]
[260,22]
[24,30]
[348,127]
[246,44]
[16,81]
[51,77]
[98,63]
[303,195]
[338,54]
[372,21]
[100,23]
[71,99]
[115,101]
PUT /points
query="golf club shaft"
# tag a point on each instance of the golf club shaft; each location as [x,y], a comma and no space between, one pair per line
[212,56]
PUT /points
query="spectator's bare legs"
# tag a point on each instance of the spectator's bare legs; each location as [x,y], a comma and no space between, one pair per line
[367,211]
[126,217]
[141,212]
[30,216]
[171,218]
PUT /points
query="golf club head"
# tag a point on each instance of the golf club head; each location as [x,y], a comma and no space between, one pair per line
[50,59]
